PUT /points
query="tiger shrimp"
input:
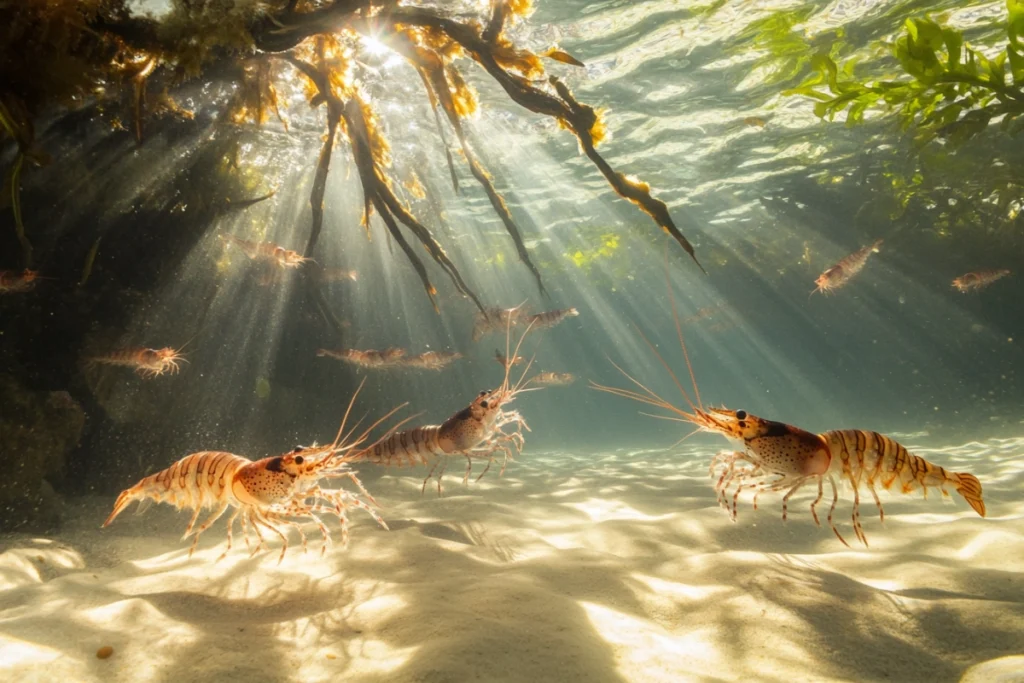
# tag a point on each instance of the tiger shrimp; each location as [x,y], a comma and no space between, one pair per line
[147,363]
[269,493]
[475,432]
[779,457]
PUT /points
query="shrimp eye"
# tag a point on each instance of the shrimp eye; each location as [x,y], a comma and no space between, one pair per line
[741,415]
[299,459]
[483,404]
[483,393]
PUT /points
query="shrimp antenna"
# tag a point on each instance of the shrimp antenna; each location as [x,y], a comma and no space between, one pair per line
[344,418]
[508,337]
[682,344]
[528,365]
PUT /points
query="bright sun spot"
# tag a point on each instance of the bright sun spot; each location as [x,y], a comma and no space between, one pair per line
[374,46]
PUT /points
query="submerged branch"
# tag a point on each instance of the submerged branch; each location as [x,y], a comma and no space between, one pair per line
[581,119]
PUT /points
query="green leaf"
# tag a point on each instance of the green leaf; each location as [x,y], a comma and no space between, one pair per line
[1016,65]
[997,69]
[824,63]
[954,41]
[807,91]
[1015,23]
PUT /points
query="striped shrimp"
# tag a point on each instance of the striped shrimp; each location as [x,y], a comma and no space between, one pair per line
[268,493]
[147,363]
[780,457]
[475,432]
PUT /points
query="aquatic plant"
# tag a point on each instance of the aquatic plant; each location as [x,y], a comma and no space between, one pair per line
[941,92]
[65,53]
[953,91]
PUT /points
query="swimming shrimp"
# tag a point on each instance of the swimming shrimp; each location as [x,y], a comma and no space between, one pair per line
[553,379]
[550,318]
[147,363]
[368,358]
[783,458]
[970,282]
[267,252]
[494,319]
[268,493]
[431,360]
[18,282]
[475,432]
[841,273]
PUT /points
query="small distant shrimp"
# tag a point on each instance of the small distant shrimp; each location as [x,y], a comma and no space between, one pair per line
[370,358]
[553,379]
[842,272]
[147,363]
[495,319]
[18,282]
[431,360]
[268,493]
[971,282]
[267,252]
[547,319]
[505,362]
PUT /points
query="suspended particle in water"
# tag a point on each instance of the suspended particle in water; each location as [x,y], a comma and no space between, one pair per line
[262,388]
[902,299]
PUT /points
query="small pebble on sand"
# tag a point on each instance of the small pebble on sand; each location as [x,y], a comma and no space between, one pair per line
[104,652]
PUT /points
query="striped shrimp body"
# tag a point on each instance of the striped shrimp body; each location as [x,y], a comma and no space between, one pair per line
[475,432]
[268,494]
[795,457]
[147,363]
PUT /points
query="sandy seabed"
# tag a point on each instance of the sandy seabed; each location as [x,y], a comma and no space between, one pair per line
[599,567]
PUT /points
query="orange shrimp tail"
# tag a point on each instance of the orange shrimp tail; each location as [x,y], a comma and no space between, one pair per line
[127,497]
[968,486]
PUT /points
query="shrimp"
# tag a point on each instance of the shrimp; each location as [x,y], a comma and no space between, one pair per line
[970,282]
[369,358]
[551,318]
[475,432]
[12,282]
[506,362]
[842,272]
[494,319]
[147,363]
[553,379]
[783,458]
[267,252]
[267,493]
[431,360]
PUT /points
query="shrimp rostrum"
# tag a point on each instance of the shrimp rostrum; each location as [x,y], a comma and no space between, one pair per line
[480,431]
[779,457]
[268,494]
